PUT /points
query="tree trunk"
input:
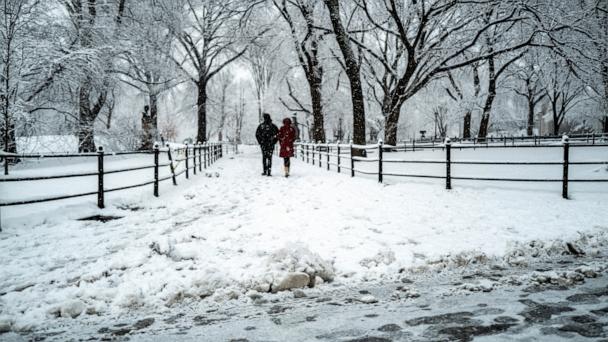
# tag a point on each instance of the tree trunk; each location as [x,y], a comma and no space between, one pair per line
[149,123]
[318,126]
[556,126]
[530,128]
[260,109]
[86,120]
[154,116]
[201,103]
[352,71]
[466,130]
[555,114]
[605,80]
[487,109]
[390,126]
[220,129]
[8,131]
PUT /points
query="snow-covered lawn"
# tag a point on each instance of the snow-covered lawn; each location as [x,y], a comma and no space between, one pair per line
[219,237]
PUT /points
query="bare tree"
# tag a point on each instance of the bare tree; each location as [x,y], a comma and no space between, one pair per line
[210,36]
[492,36]
[578,31]
[455,92]
[436,37]
[239,115]
[219,90]
[16,24]
[261,60]
[306,44]
[352,65]
[146,65]
[563,91]
[530,87]
[94,24]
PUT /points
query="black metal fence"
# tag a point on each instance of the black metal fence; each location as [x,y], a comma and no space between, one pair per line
[196,157]
[345,157]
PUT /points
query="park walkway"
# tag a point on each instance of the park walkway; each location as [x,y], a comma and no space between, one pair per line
[216,237]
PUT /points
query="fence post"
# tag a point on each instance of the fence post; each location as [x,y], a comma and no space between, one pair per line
[307,154]
[448,164]
[338,154]
[171,166]
[187,162]
[100,194]
[155,169]
[320,156]
[380,161]
[566,143]
[328,154]
[593,138]
[205,147]
[313,154]
[200,157]
[194,159]
[352,160]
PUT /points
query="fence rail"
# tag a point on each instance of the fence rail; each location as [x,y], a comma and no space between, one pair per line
[313,153]
[588,139]
[201,156]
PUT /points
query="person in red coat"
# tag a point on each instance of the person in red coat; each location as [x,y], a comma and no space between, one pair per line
[287,136]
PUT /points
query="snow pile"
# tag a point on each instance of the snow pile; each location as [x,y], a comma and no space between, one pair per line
[296,257]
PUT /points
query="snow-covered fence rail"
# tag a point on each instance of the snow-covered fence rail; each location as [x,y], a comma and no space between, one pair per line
[375,162]
[587,139]
[196,157]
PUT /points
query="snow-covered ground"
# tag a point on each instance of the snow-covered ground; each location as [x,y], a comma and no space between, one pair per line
[216,238]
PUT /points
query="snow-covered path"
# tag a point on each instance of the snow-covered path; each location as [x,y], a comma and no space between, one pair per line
[222,236]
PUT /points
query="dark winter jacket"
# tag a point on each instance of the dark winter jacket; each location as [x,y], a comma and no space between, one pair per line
[287,135]
[266,134]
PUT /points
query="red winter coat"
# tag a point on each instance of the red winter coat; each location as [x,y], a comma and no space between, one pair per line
[287,135]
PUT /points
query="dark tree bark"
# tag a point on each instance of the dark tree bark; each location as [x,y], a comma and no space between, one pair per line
[530,125]
[86,120]
[493,75]
[487,108]
[466,126]
[201,111]
[318,126]
[153,98]
[605,79]
[352,71]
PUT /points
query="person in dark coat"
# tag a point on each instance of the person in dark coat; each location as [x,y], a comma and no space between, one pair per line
[266,135]
[287,136]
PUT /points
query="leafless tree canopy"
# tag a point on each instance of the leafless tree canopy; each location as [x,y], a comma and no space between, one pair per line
[208,69]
